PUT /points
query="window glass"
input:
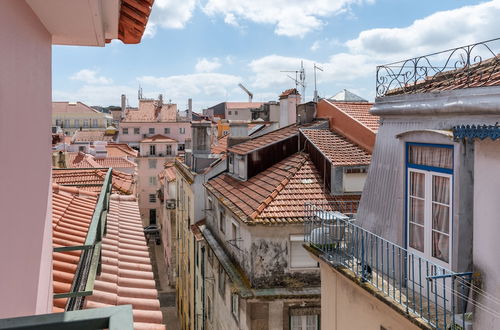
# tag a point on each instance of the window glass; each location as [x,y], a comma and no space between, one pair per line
[137,130]
[441,217]
[152,198]
[151,130]
[431,156]
[125,131]
[166,130]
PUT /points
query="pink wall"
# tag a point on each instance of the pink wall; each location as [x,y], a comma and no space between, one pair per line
[159,129]
[25,198]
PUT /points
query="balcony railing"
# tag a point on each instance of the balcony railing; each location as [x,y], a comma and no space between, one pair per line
[89,265]
[112,318]
[462,67]
[421,287]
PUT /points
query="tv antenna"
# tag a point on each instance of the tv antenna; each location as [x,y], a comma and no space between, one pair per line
[316,98]
[300,78]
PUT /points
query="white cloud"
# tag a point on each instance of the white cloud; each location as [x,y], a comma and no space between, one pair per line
[90,77]
[316,45]
[206,65]
[96,94]
[169,14]
[293,18]
[197,85]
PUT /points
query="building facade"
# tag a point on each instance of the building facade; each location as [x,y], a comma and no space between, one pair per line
[74,116]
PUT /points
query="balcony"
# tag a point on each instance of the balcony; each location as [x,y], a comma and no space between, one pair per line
[468,66]
[418,287]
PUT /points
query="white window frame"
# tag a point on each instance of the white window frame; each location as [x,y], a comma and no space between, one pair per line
[152,180]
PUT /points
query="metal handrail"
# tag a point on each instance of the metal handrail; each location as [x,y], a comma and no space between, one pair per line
[435,294]
[89,265]
[458,66]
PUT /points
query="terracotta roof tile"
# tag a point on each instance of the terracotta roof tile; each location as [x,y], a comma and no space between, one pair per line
[134,15]
[82,160]
[126,276]
[359,111]
[159,138]
[78,107]
[149,111]
[264,140]
[339,150]
[120,150]
[92,136]
[122,183]
[120,162]
[276,195]
[221,146]
[291,91]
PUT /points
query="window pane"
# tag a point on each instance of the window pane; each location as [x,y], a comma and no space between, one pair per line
[440,246]
[417,207]
[431,156]
[441,218]
[417,237]
[312,322]
[296,322]
[441,189]
[417,184]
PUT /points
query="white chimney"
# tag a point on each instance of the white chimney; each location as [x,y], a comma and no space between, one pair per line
[190,110]
[289,100]
[124,106]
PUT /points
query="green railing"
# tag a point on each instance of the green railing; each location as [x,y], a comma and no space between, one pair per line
[89,265]
[112,318]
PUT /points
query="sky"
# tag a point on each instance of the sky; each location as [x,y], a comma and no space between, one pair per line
[202,49]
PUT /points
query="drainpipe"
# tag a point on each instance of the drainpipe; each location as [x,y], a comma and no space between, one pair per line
[202,288]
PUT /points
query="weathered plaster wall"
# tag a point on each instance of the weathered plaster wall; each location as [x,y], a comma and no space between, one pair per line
[25,192]
[487,227]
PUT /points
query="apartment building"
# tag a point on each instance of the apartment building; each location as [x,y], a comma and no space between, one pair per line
[74,116]
[418,254]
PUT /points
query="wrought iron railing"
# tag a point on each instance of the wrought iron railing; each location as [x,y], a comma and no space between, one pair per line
[421,287]
[112,318]
[89,265]
[464,66]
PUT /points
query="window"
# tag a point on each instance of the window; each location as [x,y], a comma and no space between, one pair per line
[152,198]
[299,257]
[235,112]
[95,123]
[81,148]
[169,149]
[182,130]
[77,123]
[304,322]
[222,281]
[137,130]
[66,123]
[210,205]
[152,163]
[58,122]
[235,306]
[180,146]
[85,123]
[125,131]
[234,233]
[229,113]
[152,150]
[166,130]
[152,180]
[152,216]
[222,221]
[151,130]
[429,200]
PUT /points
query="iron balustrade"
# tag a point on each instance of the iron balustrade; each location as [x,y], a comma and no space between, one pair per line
[421,287]
[89,265]
[460,66]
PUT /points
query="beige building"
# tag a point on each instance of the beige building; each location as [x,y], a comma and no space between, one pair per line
[74,116]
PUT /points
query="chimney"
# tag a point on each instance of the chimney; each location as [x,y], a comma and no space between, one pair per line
[306,112]
[100,149]
[160,100]
[238,132]
[289,100]
[201,137]
[124,106]
[190,110]
[61,162]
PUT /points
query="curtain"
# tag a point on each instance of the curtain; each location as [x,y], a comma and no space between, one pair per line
[431,156]
[440,217]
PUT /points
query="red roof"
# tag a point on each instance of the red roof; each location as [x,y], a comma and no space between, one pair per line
[339,150]
[92,136]
[77,107]
[120,150]
[359,111]
[126,276]
[288,92]
[82,160]
[149,111]
[276,195]
[264,140]
[159,138]
[122,183]
[134,15]
[119,162]
[221,146]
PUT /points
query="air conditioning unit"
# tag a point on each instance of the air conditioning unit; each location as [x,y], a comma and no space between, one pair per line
[170,204]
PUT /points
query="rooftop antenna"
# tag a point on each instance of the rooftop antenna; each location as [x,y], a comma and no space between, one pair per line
[250,95]
[300,78]
[139,93]
[316,98]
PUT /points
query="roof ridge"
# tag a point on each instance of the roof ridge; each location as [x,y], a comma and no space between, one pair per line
[263,205]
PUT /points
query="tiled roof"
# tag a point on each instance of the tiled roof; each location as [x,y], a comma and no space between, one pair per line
[276,195]
[122,183]
[221,146]
[149,112]
[264,140]
[288,92]
[126,276]
[242,105]
[134,15]
[359,111]
[92,136]
[486,73]
[120,150]
[119,162]
[78,107]
[159,138]
[339,150]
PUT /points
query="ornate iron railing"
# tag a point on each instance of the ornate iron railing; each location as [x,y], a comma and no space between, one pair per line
[421,287]
[89,265]
[466,66]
